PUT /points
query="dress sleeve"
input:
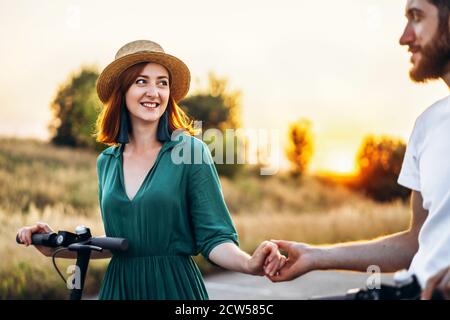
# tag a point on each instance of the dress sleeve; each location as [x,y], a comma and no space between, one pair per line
[410,175]
[209,214]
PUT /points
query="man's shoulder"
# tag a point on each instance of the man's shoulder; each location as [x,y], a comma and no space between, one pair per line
[435,111]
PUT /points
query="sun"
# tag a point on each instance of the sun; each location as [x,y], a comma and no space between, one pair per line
[336,162]
[343,163]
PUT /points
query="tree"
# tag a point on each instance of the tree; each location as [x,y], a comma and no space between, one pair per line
[218,108]
[380,160]
[75,109]
[300,146]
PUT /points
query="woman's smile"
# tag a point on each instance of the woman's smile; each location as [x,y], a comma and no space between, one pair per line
[151,105]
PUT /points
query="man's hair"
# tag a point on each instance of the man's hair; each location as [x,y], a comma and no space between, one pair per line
[443,7]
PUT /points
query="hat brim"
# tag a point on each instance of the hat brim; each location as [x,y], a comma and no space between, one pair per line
[180,76]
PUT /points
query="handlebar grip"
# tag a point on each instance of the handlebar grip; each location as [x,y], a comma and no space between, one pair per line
[43,239]
[118,244]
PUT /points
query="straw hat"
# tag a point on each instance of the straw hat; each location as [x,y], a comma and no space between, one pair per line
[144,51]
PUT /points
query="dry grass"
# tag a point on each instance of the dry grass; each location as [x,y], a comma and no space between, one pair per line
[351,222]
[40,182]
[280,194]
[34,173]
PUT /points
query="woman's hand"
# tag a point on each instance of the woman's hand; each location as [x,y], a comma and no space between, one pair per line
[266,260]
[25,233]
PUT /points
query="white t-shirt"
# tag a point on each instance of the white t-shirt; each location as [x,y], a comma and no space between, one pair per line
[426,168]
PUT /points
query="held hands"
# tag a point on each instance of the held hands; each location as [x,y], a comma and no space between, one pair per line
[299,261]
[266,260]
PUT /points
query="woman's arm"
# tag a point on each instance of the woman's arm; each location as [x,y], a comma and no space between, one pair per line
[229,256]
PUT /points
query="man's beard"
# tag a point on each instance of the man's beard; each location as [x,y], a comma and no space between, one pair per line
[435,59]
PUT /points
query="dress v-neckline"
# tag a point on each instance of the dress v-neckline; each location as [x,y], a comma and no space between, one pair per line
[122,174]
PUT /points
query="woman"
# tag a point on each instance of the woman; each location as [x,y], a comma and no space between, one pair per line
[168,210]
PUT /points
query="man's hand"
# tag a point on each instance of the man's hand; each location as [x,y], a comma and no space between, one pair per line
[297,263]
[439,282]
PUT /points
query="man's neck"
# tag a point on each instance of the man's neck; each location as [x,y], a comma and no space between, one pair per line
[446,78]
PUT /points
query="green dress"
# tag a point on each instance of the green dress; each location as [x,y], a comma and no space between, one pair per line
[178,212]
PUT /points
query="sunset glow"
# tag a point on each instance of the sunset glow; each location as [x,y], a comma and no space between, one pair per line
[338,162]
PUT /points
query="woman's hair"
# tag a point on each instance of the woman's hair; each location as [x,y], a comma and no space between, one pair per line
[108,121]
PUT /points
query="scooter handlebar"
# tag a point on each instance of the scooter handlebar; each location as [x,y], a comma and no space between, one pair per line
[44,239]
[109,243]
[50,240]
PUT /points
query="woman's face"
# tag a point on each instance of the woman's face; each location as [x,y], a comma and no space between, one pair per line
[148,96]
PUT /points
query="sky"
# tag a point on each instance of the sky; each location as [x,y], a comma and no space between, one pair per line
[336,63]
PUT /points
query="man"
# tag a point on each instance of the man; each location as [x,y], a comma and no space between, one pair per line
[425,247]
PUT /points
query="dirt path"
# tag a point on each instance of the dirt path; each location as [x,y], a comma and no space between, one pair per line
[230,285]
[238,286]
